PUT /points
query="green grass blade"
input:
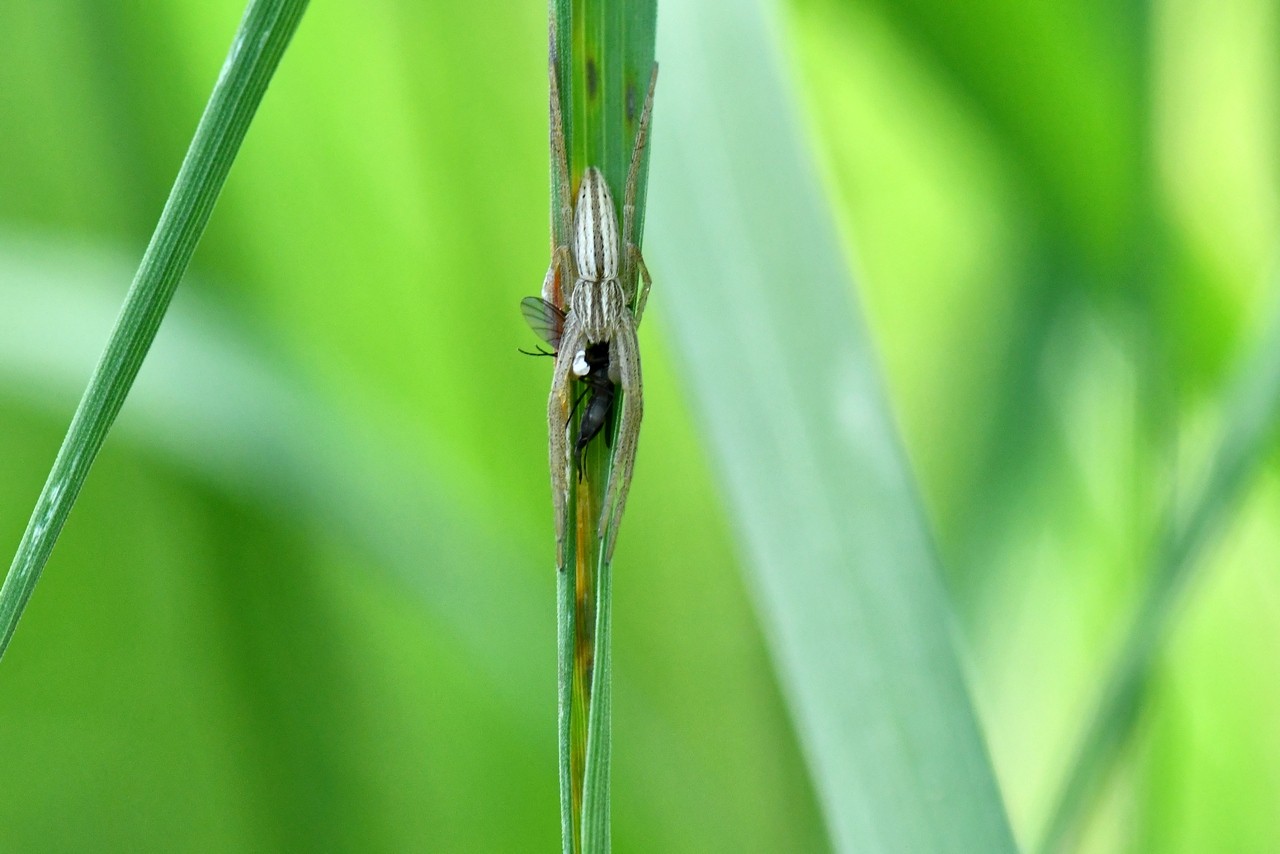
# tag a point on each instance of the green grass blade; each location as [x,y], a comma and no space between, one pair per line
[1252,414]
[782,374]
[255,52]
[564,704]
[215,404]
[604,53]
[595,784]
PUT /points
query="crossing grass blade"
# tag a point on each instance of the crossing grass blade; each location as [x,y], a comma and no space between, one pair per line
[604,53]
[218,405]
[255,52]
[783,375]
[1253,413]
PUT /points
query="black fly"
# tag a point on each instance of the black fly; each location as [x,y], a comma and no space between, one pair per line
[600,404]
[591,366]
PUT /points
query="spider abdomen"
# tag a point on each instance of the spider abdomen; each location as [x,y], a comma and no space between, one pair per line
[595,229]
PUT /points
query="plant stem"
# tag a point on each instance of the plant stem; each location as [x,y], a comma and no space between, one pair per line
[604,56]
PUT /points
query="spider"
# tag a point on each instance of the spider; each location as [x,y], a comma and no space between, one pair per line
[603,269]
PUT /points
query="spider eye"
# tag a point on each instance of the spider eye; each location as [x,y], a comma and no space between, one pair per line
[580,366]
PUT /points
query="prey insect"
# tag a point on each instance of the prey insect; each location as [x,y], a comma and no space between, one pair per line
[594,329]
[590,366]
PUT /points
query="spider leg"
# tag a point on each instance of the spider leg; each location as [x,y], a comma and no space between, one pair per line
[637,261]
[559,155]
[571,342]
[559,272]
[624,350]
[629,194]
[578,451]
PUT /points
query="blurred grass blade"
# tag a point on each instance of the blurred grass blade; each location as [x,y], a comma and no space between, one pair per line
[1252,413]
[214,404]
[782,373]
[255,52]
[604,55]
[217,413]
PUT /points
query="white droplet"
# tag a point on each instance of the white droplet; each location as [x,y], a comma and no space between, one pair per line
[580,366]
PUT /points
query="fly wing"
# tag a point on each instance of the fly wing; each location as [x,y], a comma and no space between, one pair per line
[543,318]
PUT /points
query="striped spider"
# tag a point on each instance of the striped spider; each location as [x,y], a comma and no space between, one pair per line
[596,319]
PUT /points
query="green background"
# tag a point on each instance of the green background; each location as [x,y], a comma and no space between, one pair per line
[305,601]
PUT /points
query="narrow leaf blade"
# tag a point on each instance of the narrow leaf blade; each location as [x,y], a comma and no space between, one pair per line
[783,375]
[1252,416]
[255,52]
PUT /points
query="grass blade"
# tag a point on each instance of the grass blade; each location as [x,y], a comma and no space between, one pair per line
[1253,410]
[216,404]
[603,53]
[595,783]
[782,374]
[255,52]
[564,706]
